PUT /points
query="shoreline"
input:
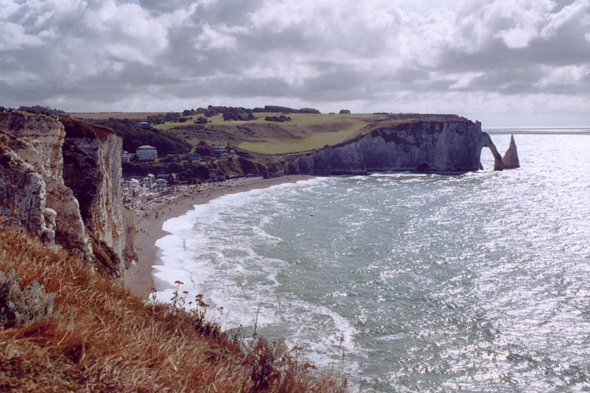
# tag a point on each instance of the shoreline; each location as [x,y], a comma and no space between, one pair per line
[138,278]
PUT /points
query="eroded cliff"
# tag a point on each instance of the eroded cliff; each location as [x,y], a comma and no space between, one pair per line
[65,188]
[92,169]
[452,146]
[22,192]
[41,139]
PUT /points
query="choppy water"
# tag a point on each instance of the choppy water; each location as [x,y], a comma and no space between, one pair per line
[426,283]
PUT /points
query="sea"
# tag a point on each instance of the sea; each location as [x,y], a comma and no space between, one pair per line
[404,282]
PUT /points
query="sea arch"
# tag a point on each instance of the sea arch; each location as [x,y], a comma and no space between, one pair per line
[487,142]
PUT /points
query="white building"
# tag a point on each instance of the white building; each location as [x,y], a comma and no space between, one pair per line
[161,183]
[147,152]
[195,157]
[149,181]
[135,187]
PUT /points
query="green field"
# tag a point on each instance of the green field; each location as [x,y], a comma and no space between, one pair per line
[316,141]
[306,131]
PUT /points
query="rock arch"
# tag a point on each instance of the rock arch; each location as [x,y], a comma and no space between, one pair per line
[487,142]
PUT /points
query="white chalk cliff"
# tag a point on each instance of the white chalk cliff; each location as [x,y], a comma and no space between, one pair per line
[63,184]
[448,146]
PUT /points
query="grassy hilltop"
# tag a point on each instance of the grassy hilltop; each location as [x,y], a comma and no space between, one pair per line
[304,132]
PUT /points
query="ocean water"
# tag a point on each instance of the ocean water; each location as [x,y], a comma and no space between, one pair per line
[422,283]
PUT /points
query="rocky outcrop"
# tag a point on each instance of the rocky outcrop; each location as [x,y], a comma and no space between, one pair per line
[40,141]
[510,159]
[22,192]
[423,146]
[63,184]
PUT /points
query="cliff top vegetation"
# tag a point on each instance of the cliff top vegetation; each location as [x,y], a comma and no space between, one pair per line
[80,331]
[167,142]
[255,131]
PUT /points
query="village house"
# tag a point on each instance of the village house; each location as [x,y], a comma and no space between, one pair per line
[195,158]
[126,156]
[219,149]
[147,152]
[149,181]
[144,124]
[135,187]
[171,178]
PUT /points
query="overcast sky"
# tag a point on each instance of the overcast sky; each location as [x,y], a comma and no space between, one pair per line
[503,62]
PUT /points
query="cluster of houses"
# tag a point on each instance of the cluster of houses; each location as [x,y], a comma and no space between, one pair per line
[136,186]
[140,191]
[150,153]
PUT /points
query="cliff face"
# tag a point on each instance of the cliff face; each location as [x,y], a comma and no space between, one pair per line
[423,146]
[92,169]
[66,186]
[42,138]
[22,192]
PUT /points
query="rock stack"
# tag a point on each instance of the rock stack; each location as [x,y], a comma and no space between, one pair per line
[510,159]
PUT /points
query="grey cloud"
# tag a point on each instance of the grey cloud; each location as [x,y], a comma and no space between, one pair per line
[333,52]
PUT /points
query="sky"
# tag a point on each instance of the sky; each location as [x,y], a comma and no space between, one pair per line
[502,62]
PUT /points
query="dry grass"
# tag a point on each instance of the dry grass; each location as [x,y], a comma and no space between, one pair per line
[105,339]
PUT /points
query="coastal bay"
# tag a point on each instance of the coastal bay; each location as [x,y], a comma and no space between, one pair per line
[138,277]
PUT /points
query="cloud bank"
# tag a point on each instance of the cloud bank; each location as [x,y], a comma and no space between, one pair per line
[505,62]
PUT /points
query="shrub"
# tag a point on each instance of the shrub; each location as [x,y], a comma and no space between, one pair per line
[280,119]
[24,306]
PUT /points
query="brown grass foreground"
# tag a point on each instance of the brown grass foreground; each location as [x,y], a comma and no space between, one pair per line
[102,338]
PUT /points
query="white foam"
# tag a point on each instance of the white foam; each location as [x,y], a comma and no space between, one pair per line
[212,250]
[198,239]
[398,174]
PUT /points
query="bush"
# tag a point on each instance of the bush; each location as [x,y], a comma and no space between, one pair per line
[309,110]
[238,114]
[22,306]
[280,119]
